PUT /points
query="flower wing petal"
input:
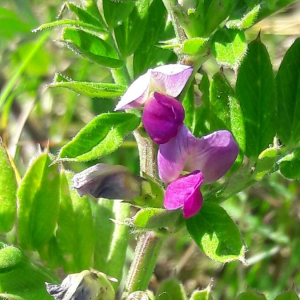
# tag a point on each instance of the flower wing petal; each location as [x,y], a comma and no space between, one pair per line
[137,93]
[213,154]
[171,79]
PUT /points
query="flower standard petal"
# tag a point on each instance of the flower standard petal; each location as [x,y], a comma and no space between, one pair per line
[172,156]
[162,117]
[171,79]
[137,93]
[106,181]
[213,154]
[185,192]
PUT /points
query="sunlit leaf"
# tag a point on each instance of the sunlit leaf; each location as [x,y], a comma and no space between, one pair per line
[255,90]
[229,47]
[75,232]
[91,89]
[103,135]
[216,234]
[91,47]
[38,197]
[8,192]
[288,96]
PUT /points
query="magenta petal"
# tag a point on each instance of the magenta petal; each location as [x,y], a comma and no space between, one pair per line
[171,79]
[137,93]
[162,117]
[172,156]
[185,192]
[213,154]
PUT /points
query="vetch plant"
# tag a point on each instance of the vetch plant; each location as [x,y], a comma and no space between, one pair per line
[202,137]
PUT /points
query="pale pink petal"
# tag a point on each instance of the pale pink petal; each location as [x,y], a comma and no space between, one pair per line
[185,192]
[171,79]
[172,156]
[213,155]
[137,93]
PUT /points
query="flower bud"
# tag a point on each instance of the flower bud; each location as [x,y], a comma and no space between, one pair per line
[87,285]
[106,181]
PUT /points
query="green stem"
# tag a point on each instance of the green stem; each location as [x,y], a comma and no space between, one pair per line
[171,8]
[146,254]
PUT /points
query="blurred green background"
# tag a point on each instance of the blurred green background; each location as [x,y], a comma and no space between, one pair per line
[31,114]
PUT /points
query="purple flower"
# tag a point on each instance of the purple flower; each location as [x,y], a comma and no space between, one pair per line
[106,181]
[162,117]
[211,156]
[167,79]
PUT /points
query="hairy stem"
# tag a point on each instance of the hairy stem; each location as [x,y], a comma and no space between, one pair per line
[146,253]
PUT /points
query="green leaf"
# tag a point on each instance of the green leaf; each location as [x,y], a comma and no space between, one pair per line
[290,295]
[91,47]
[143,56]
[255,90]
[153,218]
[216,234]
[130,33]
[288,96]
[289,166]
[246,21]
[201,114]
[50,254]
[111,237]
[250,295]
[26,281]
[116,12]
[8,192]
[171,289]
[225,111]
[91,89]
[75,232]
[119,243]
[103,135]
[69,23]
[10,257]
[84,16]
[202,295]
[38,197]
[229,47]
[195,46]
[265,162]
[213,19]
[219,96]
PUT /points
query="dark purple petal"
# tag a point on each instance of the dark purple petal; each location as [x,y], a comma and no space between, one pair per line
[137,93]
[213,154]
[110,182]
[171,79]
[172,156]
[162,117]
[185,192]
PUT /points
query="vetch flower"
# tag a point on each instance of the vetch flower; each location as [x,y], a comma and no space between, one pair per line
[162,117]
[110,182]
[168,79]
[208,158]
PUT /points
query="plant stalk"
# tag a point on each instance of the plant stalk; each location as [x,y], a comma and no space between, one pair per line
[149,243]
